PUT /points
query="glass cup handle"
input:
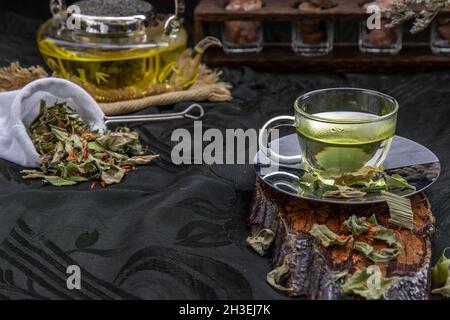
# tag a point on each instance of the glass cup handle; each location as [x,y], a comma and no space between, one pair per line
[264,135]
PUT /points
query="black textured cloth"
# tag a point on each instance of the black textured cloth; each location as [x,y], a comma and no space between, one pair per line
[178,232]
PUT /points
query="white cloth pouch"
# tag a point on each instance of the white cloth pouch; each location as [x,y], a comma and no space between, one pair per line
[18,110]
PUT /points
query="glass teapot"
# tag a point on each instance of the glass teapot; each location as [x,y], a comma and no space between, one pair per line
[112,44]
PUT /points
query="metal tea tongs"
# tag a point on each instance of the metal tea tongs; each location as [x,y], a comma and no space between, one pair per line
[193,112]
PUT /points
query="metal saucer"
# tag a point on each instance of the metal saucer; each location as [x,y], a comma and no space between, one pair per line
[414,162]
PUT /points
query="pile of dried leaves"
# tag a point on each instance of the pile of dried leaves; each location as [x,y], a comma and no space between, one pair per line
[70,153]
[354,184]
[358,184]
[363,232]
[368,283]
[360,281]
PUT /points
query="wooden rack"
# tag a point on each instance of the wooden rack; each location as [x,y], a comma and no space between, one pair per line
[345,57]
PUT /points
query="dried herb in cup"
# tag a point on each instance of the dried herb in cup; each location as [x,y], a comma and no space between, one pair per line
[70,153]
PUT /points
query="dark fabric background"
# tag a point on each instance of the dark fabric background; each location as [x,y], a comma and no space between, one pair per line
[177,232]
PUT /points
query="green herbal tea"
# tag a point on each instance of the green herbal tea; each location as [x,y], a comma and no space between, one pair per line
[331,149]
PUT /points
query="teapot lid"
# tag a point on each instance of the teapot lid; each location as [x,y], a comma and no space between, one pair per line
[109,17]
[114,8]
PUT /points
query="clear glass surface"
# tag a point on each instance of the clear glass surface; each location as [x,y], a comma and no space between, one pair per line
[242,36]
[344,129]
[440,37]
[312,37]
[383,40]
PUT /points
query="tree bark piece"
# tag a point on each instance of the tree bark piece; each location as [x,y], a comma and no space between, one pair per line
[312,268]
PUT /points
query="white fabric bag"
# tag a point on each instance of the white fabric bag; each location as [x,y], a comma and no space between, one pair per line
[18,110]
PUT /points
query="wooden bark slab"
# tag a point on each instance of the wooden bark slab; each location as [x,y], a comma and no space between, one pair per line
[312,267]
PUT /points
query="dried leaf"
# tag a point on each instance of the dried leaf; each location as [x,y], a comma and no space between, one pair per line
[139,160]
[326,237]
[337,276]
[388,236]
[114,175]
[356,225]
[342,161]
[353,184]
[344,192]
[32,174]
[359,225]
[311,183]
[77,179]
[58,153]
[369,283]
[275,277]
[444,290]
[360,178]
[59,182]
[261,241]
[378,256]
[440,273]
[375,185]
[95,147]
[121,141]
[397,182]
[70,153]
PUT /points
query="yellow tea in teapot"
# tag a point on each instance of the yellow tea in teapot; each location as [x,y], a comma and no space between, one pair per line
[112,69]
[113,44]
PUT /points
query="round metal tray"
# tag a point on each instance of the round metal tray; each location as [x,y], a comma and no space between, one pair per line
[414,162]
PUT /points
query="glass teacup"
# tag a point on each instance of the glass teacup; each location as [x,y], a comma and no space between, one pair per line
[340,130]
